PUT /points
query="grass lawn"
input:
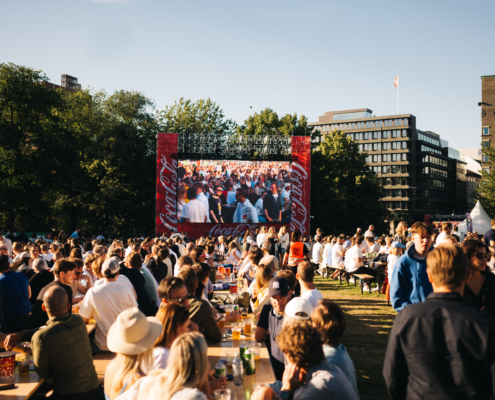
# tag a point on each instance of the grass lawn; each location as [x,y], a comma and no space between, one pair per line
[369,321]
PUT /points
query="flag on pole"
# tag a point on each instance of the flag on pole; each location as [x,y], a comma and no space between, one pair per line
[396,82]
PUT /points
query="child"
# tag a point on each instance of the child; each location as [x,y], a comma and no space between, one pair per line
[394,254]
[385,249]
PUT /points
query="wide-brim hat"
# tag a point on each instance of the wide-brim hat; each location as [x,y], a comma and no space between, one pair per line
[133,333]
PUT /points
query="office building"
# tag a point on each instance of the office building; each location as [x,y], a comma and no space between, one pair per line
[419,173]
[473,175]
[474,153]
[487,117]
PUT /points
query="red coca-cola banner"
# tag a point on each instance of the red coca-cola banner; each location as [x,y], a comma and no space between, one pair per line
[166,193]
[301,183]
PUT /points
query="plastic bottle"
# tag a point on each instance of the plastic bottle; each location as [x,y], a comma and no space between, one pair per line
[237,367]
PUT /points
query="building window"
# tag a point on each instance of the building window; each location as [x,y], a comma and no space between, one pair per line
[378,124]
[486,143]
[486,158]
[404,133]
[375,135]
[375,146]
[375,158]
[486,130]
[395,169]
[487,170]
[366,135]
[404,145]
[404,181]
[405,121]
[405,205]
[404,169]
[404,156]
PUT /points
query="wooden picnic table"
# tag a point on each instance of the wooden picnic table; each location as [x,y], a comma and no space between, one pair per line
[25,386]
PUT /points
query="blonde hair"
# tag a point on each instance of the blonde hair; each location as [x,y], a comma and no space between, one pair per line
[389,240]
[394,251]
[448,266]
[187,368]
[401,229]
[126,369]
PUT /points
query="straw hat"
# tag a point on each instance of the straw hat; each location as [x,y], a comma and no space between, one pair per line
[133,333]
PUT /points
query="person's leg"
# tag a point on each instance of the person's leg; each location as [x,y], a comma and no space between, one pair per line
[297,289]
[264,393]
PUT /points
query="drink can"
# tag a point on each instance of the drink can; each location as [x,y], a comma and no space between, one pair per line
[250,362]
[233,288]
[232,277]
[7,367]
[220,371]
[236,307]
[227,270]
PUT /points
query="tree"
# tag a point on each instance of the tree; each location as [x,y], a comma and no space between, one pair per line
[345,192]
[186,116]
[486,189]
[267,122]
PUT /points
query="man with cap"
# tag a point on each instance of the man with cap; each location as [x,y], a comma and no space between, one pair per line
[105,302]
[272,319]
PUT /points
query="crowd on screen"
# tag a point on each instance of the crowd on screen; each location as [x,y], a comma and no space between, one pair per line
[234,192]
[153,303]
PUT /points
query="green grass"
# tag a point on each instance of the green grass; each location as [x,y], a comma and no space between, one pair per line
[369,321]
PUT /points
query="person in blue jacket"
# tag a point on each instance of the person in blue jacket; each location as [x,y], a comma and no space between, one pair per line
[409,282]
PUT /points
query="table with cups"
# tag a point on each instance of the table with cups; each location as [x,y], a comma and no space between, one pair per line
[25,381]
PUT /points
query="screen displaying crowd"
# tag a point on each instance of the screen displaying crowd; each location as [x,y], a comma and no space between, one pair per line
[233,191]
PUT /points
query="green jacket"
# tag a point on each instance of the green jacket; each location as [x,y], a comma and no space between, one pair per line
[62,352]
[201,314]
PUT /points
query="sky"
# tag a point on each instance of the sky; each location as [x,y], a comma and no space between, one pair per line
[304,57]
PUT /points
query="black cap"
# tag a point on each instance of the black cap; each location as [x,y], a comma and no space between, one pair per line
[278,286]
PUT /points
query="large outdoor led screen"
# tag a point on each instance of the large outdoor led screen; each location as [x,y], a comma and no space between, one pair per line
[213,191]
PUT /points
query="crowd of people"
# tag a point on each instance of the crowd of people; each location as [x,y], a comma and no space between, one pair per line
[155,308]
[234,192]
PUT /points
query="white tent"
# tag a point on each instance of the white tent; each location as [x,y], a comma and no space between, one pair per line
[481,220]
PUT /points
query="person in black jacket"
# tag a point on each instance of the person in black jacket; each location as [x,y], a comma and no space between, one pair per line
[443,348]
[131,269]
[157,266]
[480,290]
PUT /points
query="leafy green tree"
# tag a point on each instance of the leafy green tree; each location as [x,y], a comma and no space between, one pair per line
[187,116]
[345,192]
[28,131]
[486,189]
[267,122]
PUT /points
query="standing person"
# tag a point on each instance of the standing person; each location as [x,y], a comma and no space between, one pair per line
[489,237]
[296,254]
[260,239]
[181,202]
[16,294]
[316,253]
[215,205]
[401,232]
[284,240]
[75,234]
[194,210]
[369,232]
[271,241]
[259,208]
[442,348]
[105,302]
[409,283]
[245,211]
[480,289]
[305,275]
[202,198]
[61,351]
[272,204]
[271,321]
[131,337]
[446,231]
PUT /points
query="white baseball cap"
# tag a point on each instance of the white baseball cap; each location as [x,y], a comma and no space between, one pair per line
[111,265]
[299,308]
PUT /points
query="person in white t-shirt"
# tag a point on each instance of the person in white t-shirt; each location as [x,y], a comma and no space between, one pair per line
[446,231]
[202,198]
[316,255]
[338,253]
[393,257]
[386,248]
[372,246]
[305,275]
[105,302]
[356,261]
[194,210]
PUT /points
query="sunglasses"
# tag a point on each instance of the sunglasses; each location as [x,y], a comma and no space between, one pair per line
[77,273]
[481,256]
[179,300]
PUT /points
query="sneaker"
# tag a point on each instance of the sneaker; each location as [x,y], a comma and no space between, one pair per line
[352,280]
[366,288]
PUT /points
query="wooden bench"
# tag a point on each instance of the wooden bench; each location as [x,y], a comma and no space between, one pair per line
[364,278]
[342,269]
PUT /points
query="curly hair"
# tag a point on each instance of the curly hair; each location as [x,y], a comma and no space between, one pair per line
[302,343]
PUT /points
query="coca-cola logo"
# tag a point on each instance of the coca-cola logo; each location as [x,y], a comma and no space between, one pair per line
[299,215]
[226,230]
[168,178]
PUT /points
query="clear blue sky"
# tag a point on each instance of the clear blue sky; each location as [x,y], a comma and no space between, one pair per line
[303,57]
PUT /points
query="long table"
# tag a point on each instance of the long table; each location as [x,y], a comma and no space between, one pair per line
[25,386]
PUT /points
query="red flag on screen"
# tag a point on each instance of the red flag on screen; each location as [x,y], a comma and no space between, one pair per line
[396,82]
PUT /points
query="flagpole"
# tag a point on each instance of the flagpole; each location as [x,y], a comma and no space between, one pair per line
[397,94]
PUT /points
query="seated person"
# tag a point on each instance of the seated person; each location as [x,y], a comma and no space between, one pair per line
[61,350]
[308,375]
[105,302]
[329,319]
[200,310]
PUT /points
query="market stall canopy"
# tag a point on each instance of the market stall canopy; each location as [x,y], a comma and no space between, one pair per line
[481,220]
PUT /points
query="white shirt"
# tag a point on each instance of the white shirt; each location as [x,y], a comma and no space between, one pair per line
[7,243]
[160,357]
[48,257]
[105,302]
[316,253]
[441,238]
[231,259]
[391,260]
[245,212]
[337,259]
[260,239]
[92,277]
[203,199]
[259,207]
[195,210]
[284,241]
[313,296]
[121,280]
[375,248]
[329,254]
[352,255]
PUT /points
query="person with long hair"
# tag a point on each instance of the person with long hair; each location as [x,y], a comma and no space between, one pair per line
[260,239]
[271,241]
[175,321]
[480,289]
[131,337]
[261,295]
[297,252]
[401,232]
[284,240]
[186,375]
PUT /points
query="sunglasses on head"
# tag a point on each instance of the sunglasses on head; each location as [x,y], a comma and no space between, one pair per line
[481,256]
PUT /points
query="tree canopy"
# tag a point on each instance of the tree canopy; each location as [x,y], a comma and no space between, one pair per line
[267,122]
